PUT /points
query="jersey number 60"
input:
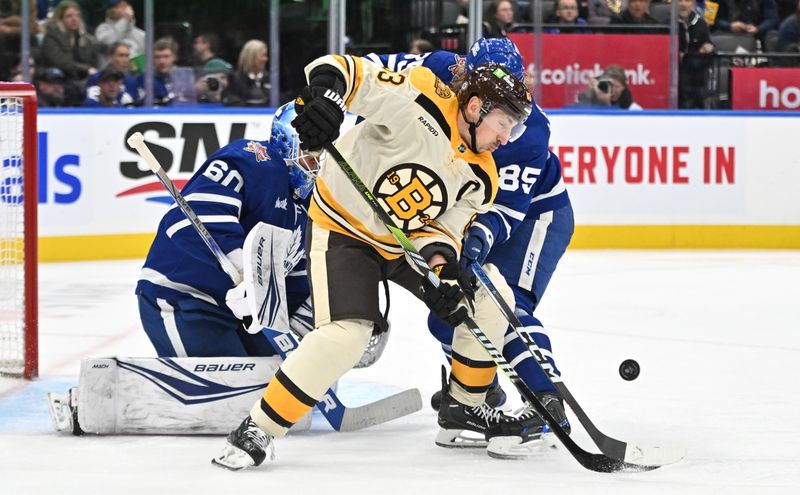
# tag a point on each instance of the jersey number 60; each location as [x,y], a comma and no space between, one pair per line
[218,172]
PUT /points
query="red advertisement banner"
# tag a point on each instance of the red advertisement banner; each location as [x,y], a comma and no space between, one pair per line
[569,60]
[757,88]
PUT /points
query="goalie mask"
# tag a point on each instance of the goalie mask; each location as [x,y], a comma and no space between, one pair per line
[303,167]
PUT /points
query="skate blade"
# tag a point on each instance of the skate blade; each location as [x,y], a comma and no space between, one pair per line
[233,458]
[513,448]
[60,412]
[460,439]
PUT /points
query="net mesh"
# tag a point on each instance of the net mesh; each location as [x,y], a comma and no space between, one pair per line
[12,228]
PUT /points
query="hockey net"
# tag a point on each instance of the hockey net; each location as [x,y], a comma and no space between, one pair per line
[18,236]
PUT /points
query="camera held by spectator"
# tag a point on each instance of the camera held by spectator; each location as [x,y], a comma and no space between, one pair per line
[609,89]
[213,81]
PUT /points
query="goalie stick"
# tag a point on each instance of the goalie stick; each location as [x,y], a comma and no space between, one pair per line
[340,417]
[612,447]
[595,462]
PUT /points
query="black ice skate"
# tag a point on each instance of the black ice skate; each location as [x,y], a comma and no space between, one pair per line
[247,446]
[555,406]
[457,420]
[495,397]
[512,449]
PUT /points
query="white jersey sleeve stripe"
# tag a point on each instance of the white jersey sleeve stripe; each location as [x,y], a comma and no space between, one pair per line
[538,236]
[505,210]
[158,278]
[213,198]
[203,218]
[168,316]
[372,57]
[556,190]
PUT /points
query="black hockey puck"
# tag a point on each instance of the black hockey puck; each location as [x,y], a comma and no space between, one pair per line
[629,370]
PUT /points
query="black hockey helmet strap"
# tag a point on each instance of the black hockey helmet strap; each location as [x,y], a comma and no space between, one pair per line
[473,126]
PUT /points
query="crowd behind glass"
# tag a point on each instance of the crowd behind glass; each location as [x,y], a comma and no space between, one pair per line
[73,63]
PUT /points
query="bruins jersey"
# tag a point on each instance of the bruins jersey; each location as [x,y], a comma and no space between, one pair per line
[409,153]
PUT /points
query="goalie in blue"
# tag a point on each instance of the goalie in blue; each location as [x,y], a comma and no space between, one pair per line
[247,190]
[528,227]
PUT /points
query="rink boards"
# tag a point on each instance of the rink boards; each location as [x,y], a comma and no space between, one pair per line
[636,179]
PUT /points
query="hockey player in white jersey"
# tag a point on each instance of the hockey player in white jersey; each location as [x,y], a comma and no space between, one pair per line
[528,227]
[425,154]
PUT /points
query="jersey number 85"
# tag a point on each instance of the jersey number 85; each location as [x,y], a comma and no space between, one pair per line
[512,176]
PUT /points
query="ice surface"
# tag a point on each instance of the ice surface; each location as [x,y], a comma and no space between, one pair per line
[717,335]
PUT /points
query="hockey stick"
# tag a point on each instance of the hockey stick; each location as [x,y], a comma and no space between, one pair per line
[612,447]
[340,417]
[594,462]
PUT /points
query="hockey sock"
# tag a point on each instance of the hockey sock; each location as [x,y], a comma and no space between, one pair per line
[516,353]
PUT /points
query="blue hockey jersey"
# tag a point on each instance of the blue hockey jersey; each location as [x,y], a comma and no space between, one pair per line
[237,187]
[529,182]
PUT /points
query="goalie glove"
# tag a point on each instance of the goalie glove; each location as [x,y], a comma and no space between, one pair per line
[236,299]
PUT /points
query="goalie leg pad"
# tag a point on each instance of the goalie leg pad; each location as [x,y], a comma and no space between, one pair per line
[172,396]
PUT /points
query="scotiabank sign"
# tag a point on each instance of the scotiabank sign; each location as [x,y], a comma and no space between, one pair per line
[766,89]
[570,60]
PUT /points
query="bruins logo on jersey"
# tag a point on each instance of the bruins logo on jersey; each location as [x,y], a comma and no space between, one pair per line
[442,89]
[412,194]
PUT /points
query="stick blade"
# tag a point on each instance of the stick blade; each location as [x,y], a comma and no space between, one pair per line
[653,456]
[389,408]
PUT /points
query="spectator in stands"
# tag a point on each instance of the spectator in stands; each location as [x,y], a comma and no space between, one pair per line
[566,13]
[10,36]
[608,90]
[16,72]
[53,89]
[249,85]
[109,84]
[693,40]
[601,11]
[499,19]
[419,46]
[637,12]
[463,12]
[789,34]
[756,17]
[212,72]
[694,36]
[786,8]
[120,25]
[205,49]
[165,53]
[67,45]
[118,59]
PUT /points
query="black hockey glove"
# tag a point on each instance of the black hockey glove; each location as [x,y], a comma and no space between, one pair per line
[320,112]
[445,301]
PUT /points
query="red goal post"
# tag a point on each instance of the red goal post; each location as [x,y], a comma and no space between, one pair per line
[19,350]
